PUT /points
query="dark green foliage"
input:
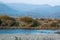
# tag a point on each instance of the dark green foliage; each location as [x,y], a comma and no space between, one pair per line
[13,19]
[35,23]
[0,21]
[8,21]
[58,21]
[26,19]
[54,24]
[6,17]
[46,25]
[14,23]
[42,19]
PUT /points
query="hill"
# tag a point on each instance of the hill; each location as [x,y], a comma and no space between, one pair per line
[35,11]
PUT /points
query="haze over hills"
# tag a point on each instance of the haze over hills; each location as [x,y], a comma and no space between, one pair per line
[35,11]
[5,9]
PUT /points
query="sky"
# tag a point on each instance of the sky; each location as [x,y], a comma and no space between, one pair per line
[38,2]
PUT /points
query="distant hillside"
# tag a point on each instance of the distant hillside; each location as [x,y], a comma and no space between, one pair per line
[5,9]
[35,11]
[56,15]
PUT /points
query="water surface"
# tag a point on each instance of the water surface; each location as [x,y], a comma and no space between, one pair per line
[22,31]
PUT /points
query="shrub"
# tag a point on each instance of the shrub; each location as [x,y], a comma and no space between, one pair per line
[46,25]
[8,21]
[58,21]
[35,23]
[42,19]
[0,21]
[14,23]
[6,17]
[26,19]
[54,24]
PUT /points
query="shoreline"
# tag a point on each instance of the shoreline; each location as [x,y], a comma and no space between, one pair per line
[30,36]
[31,28]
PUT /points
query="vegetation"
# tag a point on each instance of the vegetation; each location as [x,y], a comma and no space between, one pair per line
[35,24]
[27,19]
[28,22]
[54,24]
[0,21]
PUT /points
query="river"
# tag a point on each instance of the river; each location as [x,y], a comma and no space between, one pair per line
[22,31]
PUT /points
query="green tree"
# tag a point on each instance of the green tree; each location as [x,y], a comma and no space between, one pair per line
[58,21]
[14,23]
[0,21]
[54,24]
[35,23]
[6,17]
[9,21]
[42,19]
[26,19]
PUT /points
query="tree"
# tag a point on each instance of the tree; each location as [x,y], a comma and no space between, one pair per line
[0,21]
[8,21]
[14,23]
[26,19]
[58,21]
[54,24]
[42,19]
[35,23]
[29,22]
[6,17]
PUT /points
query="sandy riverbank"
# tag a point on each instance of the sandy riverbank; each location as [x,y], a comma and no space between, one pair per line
[29,36]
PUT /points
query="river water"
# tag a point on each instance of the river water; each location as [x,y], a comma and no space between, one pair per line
[22,31]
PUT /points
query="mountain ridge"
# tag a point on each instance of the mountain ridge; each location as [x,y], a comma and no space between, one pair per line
[36,11]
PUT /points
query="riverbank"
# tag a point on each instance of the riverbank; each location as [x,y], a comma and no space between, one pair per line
[32,28]
[7,22]
[29,36]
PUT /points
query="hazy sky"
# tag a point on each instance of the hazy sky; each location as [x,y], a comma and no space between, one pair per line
[39,2]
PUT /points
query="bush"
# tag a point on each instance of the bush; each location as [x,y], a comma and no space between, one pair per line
[8,21]
[58,21]
[0,21]
[26,19]
[42,19]
[46,25]
[54,24]
[29,21]
[35,23]
[6,17]
[14,23]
